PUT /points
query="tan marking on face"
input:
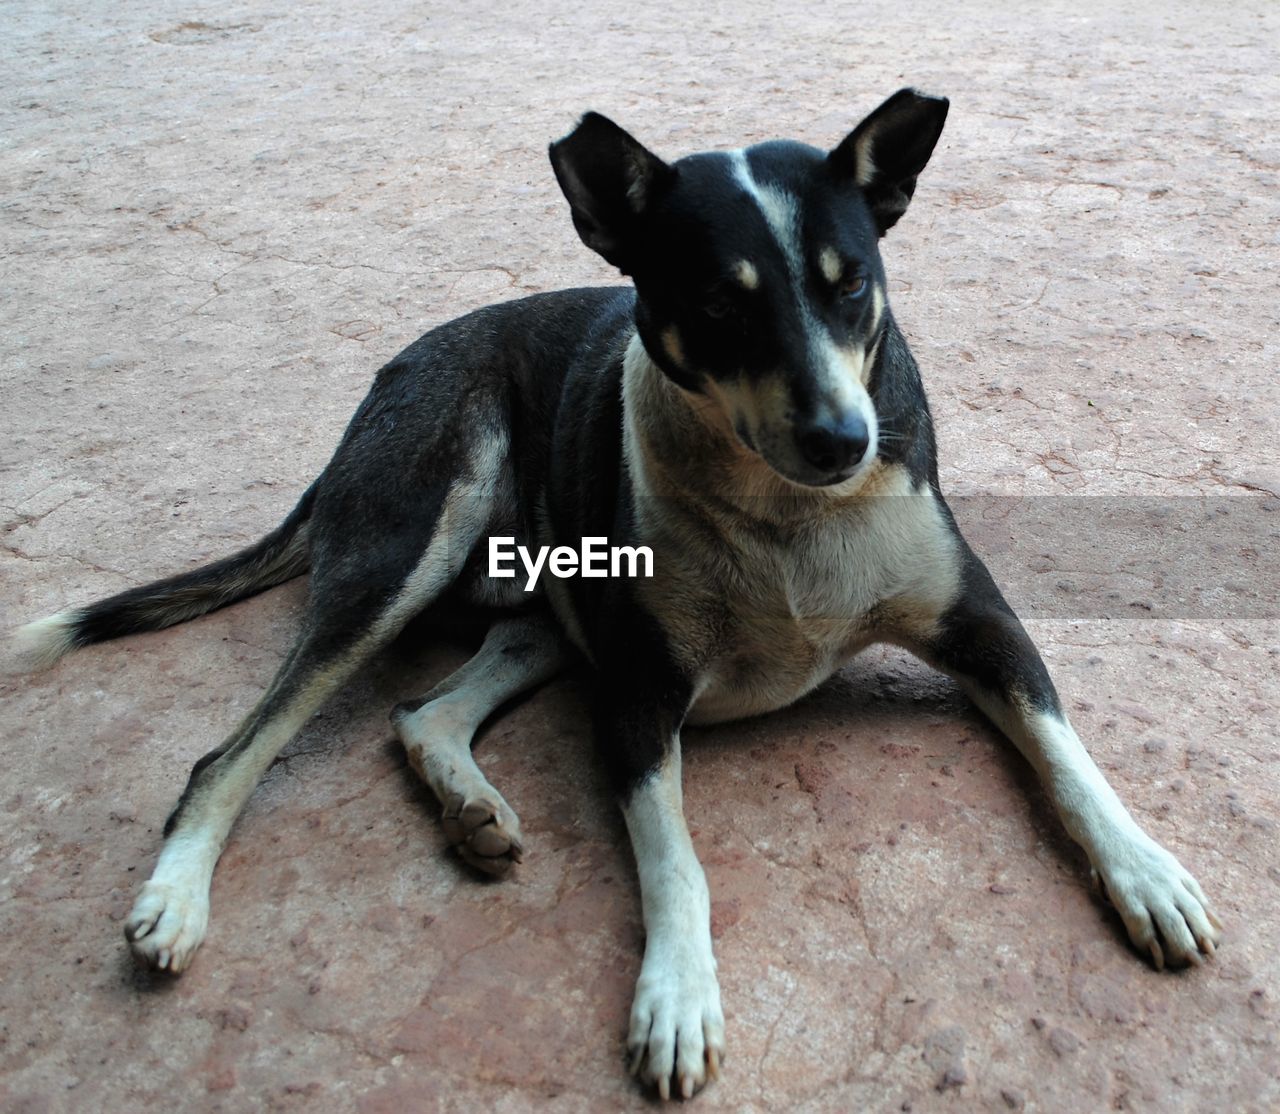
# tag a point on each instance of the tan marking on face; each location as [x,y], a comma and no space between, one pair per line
[865,165]
[671,342]
[870,362]
[829,261]
[853,360]
[761,405]
[745,272]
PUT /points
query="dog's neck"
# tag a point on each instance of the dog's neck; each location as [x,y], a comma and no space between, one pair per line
[679,444]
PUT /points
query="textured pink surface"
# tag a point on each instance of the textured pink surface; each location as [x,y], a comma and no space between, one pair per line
[218,221]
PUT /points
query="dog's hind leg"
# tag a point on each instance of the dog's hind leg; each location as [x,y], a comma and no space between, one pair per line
[437,730]
[169,918]
[361,598]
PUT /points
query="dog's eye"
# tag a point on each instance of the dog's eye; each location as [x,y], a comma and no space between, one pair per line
[718,308]
[853,285]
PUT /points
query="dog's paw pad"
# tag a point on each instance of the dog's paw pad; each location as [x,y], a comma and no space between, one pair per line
[1163,908]
[486,833]
[166,926]
[676,1041]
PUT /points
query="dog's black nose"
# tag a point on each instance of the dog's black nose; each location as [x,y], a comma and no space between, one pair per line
[834,445]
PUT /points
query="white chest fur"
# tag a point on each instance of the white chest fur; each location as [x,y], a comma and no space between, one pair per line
[766,615]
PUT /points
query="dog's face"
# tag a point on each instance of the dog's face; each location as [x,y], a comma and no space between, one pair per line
[758,272]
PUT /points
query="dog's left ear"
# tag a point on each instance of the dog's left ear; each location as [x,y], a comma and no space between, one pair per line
[883,155]
[611,181]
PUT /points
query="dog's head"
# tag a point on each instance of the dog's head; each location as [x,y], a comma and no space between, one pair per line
[758,272]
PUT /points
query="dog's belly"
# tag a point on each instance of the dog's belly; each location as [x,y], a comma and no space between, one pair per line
[770,673]
[749,692]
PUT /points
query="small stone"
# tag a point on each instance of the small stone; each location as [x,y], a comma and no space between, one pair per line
[1139,712]
[234,1017]
[1155,746]
[1014,1100]
[944,1053]
[223,1080]
[724,915]
[1064,1042]
[312,1088]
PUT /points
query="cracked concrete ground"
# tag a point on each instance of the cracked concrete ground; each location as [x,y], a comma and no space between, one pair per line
[219,220]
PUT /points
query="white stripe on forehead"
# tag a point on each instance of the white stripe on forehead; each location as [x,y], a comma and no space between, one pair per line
[780,209]
[837,374]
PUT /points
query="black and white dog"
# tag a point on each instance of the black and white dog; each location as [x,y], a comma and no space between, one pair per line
[750,412]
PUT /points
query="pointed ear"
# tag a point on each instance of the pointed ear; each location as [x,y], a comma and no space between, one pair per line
[883,155]
[611,182]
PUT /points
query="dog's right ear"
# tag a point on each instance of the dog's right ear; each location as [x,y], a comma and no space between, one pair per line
[884,154]
[611,182]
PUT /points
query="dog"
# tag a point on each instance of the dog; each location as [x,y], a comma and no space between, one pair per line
[748,409]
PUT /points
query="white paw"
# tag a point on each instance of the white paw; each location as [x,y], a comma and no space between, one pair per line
[166,926]
[677,1027]
[485,831]
[1162,906]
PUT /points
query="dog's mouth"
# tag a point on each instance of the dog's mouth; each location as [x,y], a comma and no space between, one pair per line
[825,448]
[815,479]
[778,452]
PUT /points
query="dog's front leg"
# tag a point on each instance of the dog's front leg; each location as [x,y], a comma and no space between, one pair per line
[677,1028]
[980,642]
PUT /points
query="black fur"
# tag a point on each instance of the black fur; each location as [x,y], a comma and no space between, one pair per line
[278,557]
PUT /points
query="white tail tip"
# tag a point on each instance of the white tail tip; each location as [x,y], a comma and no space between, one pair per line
[38,645]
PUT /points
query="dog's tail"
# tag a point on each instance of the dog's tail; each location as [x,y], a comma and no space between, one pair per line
[280,556]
